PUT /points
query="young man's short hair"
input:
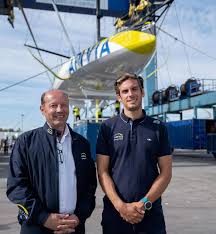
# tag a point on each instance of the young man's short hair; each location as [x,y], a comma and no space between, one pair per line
[127,76]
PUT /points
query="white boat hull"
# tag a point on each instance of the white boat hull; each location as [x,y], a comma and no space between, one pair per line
[91,75]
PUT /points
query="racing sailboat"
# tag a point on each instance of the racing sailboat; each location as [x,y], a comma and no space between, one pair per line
[90,74]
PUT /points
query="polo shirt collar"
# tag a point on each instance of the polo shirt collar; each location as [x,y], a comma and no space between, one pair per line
[127,119]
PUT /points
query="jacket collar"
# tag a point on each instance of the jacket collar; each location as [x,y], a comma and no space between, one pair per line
[54,132]
[49,130]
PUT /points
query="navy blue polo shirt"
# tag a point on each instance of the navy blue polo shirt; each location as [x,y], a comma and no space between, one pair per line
[134,148]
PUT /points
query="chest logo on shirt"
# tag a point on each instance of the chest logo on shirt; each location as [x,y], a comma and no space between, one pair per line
[83,156]
[118,137]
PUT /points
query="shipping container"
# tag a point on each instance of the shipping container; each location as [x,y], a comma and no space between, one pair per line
[185,134]
[90,132]
[192,134]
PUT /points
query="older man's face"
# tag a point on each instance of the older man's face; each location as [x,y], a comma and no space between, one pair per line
[56,109]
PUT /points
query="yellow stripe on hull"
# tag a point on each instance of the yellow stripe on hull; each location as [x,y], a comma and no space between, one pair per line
[136,41]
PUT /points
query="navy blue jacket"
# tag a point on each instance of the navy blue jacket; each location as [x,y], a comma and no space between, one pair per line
[33,180]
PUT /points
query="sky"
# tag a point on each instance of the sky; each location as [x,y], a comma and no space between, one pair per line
[191,21]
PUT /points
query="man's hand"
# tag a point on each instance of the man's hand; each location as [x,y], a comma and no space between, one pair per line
[53,220]
[132,212]
[61,223]
[68,225]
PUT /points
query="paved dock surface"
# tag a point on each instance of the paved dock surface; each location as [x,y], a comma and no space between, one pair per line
[189,202]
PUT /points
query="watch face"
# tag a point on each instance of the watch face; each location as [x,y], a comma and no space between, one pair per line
[148,205]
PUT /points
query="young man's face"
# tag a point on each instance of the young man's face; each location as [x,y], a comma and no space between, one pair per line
[56,109]
[130,95]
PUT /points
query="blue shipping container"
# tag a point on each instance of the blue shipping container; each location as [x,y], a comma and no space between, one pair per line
[90,132]
[187,134]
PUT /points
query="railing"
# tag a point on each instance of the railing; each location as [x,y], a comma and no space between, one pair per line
[208,85]
[90,120]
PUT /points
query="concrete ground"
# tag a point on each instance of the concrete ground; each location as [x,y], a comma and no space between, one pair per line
[189,202]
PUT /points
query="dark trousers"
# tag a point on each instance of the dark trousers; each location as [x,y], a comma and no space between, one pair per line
[132,230]
[35,229]
[152,223]
[108,230]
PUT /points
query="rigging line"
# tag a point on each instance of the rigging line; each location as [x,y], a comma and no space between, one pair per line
[47,51]
[31,32]
[182,37]
[69,41]
[61,38]
[184,43]
[27,35]
[166,64]
[22,81]
[31,18]
[54,73]
[163,20]
[157,33]
[158,68]
[64,29]
[48,68]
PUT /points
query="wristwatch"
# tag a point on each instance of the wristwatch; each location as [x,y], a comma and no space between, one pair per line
[147,203]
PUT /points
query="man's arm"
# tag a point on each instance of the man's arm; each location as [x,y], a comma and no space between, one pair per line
[131,212]
[86,203]
[19,188]
[162,181]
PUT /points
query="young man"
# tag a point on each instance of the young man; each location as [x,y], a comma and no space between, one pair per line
[52,176]
[130,149]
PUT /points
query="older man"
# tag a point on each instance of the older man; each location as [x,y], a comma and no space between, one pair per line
[52,176]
